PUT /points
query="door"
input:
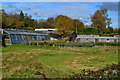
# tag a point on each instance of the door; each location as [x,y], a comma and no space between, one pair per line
[96,40]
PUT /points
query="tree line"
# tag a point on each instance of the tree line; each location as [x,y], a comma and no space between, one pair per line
[64,24]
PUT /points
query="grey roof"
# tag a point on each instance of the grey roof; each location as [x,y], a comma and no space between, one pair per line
[25,32]
[101,37]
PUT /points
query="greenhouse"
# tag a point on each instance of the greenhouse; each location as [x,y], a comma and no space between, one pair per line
[13,36]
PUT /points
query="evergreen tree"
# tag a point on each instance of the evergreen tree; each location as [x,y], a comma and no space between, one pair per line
[21,16]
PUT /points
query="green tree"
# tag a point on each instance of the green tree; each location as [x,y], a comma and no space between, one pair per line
[108,22]
[3,18]
[51,20]
[29,28]
[110,30]
[100,20]
[21,16]
[77,25]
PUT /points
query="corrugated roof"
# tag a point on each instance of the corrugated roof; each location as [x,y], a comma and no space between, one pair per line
[101,37]
[25,32]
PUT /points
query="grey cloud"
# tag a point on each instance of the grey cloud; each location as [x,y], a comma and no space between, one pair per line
[10,6]
[13,9]
[112,6]
[36,13]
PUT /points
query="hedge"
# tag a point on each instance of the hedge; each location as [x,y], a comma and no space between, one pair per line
[73,44]
[108,43]
[44,43]
[62,43]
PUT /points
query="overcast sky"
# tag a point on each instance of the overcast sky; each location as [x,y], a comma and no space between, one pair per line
[76,10]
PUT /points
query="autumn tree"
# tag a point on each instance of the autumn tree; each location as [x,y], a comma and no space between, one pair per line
[100,20]
[19,24]
[77,23]
[7,21]
[64,25]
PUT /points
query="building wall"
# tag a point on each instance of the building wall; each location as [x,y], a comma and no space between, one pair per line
[85,40]
[96,40]
[107,40]
[92,35]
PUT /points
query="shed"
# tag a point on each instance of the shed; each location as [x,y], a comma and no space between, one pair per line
[97,39]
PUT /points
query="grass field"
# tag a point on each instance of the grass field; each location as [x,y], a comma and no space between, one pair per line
[24,61]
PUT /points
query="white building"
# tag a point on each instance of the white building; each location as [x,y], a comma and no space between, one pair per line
[46,30]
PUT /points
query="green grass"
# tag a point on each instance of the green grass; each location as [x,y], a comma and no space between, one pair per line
[23,61]
[58,62]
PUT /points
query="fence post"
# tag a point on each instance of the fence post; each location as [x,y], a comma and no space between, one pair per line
[37,44]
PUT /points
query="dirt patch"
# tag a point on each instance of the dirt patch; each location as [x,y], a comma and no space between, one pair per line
[82,62]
